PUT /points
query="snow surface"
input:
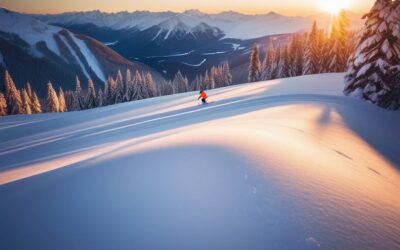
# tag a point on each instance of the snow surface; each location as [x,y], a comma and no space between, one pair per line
[90,57]
[78,60]
[283,164]
[33,31]
[29,29]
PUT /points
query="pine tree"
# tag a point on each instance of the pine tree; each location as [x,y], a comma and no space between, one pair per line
[313,52]
[26,102]
[3,105]
[206,81]
[128,86]
[150,85]
[180,83]
[213,76]
[36,105]
[78,101]
[338,49]
[91,96]
[325,52]
[100,98]
[109,91]
[166,88]
[119,88]
[29,90]
[69,99]
[373,68]
[227,76]
[286,63]
[268,64]
[62,106]
[255,65]
[52,99]
[13,96]
[277,65]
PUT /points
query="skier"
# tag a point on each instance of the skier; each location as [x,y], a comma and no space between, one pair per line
[203,96]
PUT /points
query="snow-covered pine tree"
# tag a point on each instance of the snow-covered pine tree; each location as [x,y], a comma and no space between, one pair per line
[343,40]
[36,105]
[52,99]
[325,51]
[277,66]
[128,86]
[26,102]
[110,90]
[69,97]
[13,96]
[91,96]
[206,81]
[338,52]
[255,65]
[180,83]
[301,42]
[150,85]
[62,106]
[79,98]
[374,66]
[226,74]
[213,76]
[166,88]
[138,89]
[313,52]
[3,105]
[286,63]
[29,90]
[119,88]
[195,84]
[268,63]
[100,98]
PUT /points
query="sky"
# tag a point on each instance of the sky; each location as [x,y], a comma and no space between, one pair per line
[287,7]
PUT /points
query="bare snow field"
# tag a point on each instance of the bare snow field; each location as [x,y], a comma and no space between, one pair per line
[283,164]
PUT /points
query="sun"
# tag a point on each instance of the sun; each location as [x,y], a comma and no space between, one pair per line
[334,6]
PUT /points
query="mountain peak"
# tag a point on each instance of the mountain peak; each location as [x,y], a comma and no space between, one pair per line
[193,12]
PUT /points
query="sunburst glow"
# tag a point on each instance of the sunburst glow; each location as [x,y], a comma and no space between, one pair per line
[334,6]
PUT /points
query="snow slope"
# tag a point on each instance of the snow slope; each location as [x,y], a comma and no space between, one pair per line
[284,164]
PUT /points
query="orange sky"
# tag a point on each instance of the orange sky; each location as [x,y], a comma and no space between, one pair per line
[288,7]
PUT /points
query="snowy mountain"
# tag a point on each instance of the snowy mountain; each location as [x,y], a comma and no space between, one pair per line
[283,164]
[37,52]
[232,24]
[204,39]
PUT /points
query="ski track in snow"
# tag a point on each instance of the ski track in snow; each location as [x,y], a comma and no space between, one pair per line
[173,55]
[90,58]
[111,43]
[78,60]
[284,164]
[214,53]
[195,65]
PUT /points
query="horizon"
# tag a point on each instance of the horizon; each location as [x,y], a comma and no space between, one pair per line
[254,7]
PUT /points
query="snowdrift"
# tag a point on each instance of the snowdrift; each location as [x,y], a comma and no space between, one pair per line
[283,164]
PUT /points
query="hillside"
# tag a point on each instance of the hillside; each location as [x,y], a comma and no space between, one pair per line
[283,164]
[37,52]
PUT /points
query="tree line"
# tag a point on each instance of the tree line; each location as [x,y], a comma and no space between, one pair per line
[122,88]
[216,77]
[314,52]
